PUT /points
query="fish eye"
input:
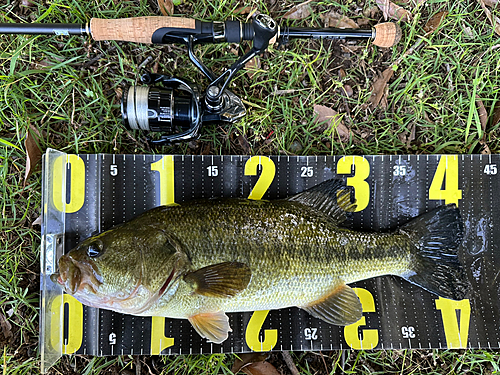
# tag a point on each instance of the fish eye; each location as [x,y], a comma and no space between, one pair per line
[94,249]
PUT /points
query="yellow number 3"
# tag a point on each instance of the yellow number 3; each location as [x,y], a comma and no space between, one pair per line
[358,181]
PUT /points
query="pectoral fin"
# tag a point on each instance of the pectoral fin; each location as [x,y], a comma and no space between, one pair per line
[341,307]
[220,280]
[212,326]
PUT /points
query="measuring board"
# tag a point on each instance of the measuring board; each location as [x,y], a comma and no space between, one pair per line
[87,194]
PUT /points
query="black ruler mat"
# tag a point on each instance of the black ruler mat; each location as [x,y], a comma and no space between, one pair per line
[85,194]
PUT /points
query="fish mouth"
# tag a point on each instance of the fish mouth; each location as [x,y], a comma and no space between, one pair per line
[75,276]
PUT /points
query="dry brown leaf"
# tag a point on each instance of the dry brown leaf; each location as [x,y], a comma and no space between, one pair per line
[245,146]
[332,119]
[391,10]
[379,85]
[434,22]
[363,21]
[485,150]
[483,114]
[166,7]
[334,19]
[260,368]
[408,137]
[495,119]
[33,152]
[38,221]
[252,65]
[205,149]
[245,9]
[491,3]
[371,12]
[6,327]
[245,359]
[495,21]
[299,12]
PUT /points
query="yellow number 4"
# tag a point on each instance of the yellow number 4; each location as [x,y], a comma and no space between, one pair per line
[447,172]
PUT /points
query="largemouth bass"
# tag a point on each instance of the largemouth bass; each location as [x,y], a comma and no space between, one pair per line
[203,258]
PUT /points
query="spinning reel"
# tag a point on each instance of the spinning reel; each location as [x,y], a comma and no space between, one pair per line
[179,108]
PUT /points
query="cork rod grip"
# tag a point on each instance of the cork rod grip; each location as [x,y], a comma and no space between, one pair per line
[387,34]
[136,29]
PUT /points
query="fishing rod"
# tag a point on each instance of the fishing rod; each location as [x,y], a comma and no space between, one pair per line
[178,108]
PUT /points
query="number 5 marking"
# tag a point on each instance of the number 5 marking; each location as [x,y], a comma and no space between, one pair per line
[266,176]
[361,173]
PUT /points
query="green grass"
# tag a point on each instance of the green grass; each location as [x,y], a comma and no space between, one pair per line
[47,82]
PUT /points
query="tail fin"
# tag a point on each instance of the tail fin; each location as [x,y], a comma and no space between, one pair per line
[436,267]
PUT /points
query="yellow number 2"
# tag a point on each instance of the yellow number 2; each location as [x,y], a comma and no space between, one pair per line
[252,333]
[266,176]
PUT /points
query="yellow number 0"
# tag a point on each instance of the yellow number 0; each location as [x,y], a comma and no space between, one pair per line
[76,184]
[75,324]
[361,173]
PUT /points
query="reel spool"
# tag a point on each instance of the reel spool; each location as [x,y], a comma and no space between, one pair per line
[173,109]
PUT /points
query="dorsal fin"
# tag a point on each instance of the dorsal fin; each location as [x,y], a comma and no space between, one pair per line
[331,197]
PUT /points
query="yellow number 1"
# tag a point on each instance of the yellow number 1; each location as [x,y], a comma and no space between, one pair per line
[165,167]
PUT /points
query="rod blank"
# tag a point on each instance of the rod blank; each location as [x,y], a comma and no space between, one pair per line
[44,28]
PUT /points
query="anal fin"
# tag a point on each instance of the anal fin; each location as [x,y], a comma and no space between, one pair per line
[212,326]
[340,307]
